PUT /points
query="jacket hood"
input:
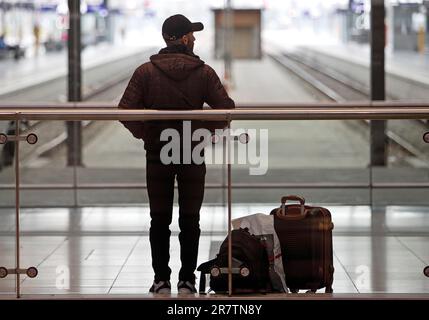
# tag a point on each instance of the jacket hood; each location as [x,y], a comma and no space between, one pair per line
[176,63]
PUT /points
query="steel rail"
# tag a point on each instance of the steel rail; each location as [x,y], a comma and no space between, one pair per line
[237,185]
[310,112]
[98,105]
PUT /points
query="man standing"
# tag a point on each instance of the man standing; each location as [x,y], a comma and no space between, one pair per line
[174,79]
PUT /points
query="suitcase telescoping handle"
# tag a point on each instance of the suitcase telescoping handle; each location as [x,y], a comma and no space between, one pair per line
[301,200]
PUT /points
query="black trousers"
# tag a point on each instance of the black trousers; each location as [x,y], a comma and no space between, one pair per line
[160,180]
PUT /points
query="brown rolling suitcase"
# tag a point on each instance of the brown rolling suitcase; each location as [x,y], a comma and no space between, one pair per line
[305,235]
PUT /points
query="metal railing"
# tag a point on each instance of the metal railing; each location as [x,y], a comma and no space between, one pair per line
[78,112]
[304,111]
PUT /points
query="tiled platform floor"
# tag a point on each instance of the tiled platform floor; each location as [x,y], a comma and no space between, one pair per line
[106,250]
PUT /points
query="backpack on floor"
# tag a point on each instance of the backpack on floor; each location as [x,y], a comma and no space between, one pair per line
[250,266]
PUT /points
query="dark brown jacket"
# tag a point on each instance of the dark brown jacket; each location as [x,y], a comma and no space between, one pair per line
[174,79]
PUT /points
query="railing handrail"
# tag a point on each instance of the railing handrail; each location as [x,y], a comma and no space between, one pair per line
[309,112]
[111,105]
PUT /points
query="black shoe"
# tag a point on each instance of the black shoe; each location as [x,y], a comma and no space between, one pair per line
[162,287]
[186,287]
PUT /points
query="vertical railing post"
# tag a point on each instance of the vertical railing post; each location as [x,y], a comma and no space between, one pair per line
[17,271]
[224,174]
[17,206]
[228,141]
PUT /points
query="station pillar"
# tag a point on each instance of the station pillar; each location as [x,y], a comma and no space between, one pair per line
[74,129]
[378,83]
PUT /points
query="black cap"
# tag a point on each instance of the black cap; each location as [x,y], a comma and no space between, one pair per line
[177,26]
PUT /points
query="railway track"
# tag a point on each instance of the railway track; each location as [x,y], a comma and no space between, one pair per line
[52,134]
[404,136]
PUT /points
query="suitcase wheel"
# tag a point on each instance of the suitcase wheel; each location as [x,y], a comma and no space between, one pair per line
[294,290]
[311,291]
